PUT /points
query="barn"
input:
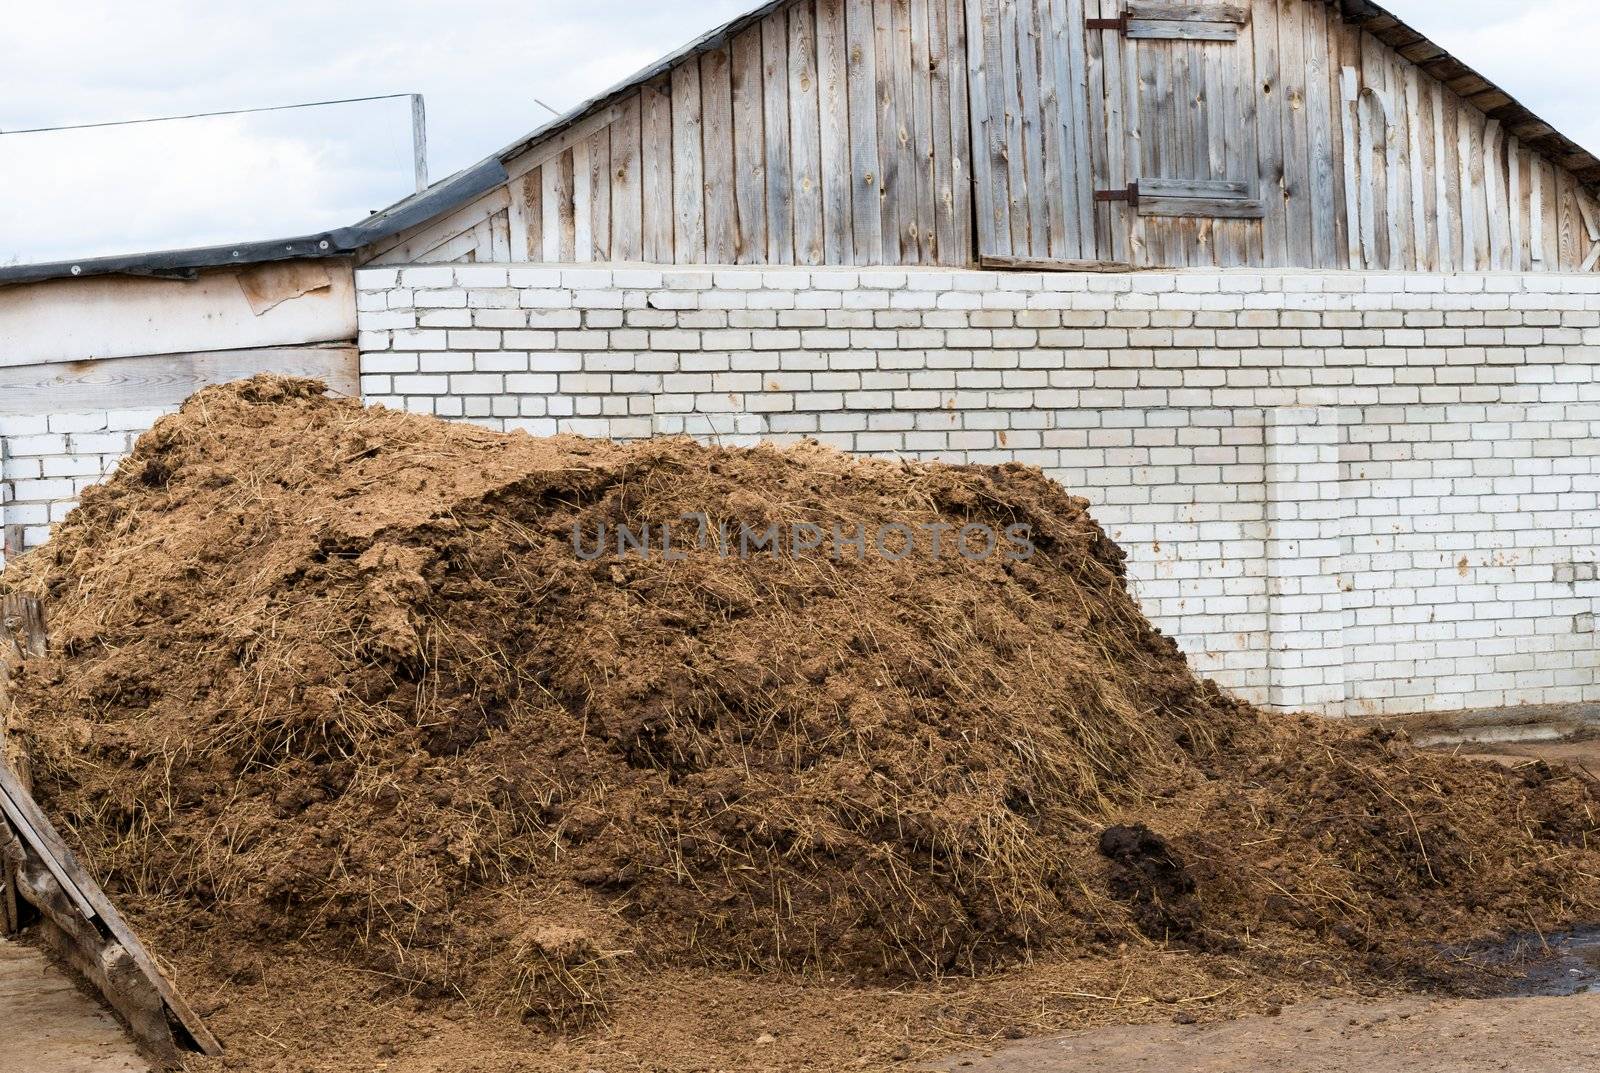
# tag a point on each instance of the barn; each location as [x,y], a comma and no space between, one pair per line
[1306,307]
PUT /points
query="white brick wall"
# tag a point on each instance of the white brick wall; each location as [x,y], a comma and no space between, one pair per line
[1345,492]
[46,460]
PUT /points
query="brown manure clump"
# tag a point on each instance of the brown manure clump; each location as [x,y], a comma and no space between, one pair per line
[371,709]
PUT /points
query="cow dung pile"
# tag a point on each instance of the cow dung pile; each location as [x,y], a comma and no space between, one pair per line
[638,753]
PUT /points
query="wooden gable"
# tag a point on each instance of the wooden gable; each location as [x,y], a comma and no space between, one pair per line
[1225,133]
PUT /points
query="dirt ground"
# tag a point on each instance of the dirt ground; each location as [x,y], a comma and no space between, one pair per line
[1533,1035]
[47,1025]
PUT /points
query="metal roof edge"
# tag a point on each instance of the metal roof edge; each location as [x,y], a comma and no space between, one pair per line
[439,198]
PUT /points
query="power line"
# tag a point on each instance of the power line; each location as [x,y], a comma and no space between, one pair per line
[207,115]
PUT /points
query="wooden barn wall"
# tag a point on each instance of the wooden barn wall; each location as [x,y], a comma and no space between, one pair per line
[1362,160]
[831,132]
[839,132]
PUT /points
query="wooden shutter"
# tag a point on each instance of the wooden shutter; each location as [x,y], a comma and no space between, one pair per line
[1191,149]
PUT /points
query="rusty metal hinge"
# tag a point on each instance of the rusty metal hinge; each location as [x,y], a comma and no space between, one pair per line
[1119,24]
[1130,195]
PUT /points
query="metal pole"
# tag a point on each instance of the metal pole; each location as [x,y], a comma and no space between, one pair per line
[419,140]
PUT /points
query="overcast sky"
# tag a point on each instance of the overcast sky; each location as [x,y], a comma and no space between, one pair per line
[480,63]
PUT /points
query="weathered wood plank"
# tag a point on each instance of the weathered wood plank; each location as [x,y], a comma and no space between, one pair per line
[964,249]
[1494,194]
[582,204]
[1070,44]
[1051,264]
[627,206]
[1358,181]
[1220,208]
[533,212]
[1238,14]
[1515,204]
[1422,259]
[1320,112]
[657,154]
[1030,144]
[833,66]
[48,844]
[750,146]
[716,134]
[1471,251]
[688,167]
[1009,117]
[1156,30]
[1536,228]
[1269,133]
[566,215]
[780,164]
[983,57]
[898,183]
[1444,220]
[1210,188]
[866,210]
[943,119]
[165,379]
[805,135]
[920,75]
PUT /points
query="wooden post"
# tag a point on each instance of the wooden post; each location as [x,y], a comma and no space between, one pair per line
[22,636]
[419,140]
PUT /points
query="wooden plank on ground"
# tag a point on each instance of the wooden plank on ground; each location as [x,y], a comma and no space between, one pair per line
[111,943]
[1052,264]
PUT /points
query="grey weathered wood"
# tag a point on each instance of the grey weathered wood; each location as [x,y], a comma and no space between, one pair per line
[994,229]
[1051,264]
[866,211]
[1415,170]
[162,380]
[833,85]
[688,168]
[1350,97]
[627,206]
[1070,46]
[1320,112]
[1297,206]
[1444,221]
[659,197]
[1238,14]
[805,136]
[1206,188]
[419,142]
[1152,30]
[1514,199]
[1038,196]
[964,247]
[750,147]
[1012,155]
[717,159]
[1222,208]
[1269,133]
[582,204]
[940,73]
[780,164]
[897,185]
[923,134]
[1494,195]
[564,197]
[533,211]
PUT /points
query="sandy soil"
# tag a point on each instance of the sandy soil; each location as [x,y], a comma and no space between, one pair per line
[1532,1035]
[48,1026]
